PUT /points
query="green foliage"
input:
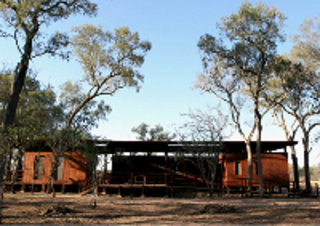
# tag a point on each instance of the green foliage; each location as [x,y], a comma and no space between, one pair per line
[109,61]
[117,54]
[6,79]
[239,64]
[23,22]
[71,97]
[24,19]
[37,110]
[142,131]
[306,48]
[249,41]
[314,172]
[154,134]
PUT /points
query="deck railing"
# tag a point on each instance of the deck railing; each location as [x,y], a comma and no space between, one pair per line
[13,175]
[149,179]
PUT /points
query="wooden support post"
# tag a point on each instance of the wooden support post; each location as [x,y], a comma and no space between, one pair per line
[142,192]
[172,185]
[105,162]
[165,167]
[166,190]
[195,189]
[243,182]
[119,191]
[43,188]
[184,168]
[63,188]
[22,187]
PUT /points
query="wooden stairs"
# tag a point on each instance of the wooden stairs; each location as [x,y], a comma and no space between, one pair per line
[86,187]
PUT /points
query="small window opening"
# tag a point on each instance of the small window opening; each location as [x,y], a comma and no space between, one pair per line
[237,168]
[59,171]
[38,167]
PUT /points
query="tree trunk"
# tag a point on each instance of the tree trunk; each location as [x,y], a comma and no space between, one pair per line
[19,77]
[250,164]
[53,173]
[16,169]
[19,160]
[306,168]
[213,169]
[2,169]
[258,153]
[77,109]
[295,169]
[94,184]
[9,163]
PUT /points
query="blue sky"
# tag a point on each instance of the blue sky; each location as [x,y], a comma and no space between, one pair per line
[174,28]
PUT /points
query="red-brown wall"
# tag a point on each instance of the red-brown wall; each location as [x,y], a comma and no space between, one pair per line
[275,169]
[74,169]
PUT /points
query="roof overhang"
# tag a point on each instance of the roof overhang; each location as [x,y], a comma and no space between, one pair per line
[186,146]
[105,146]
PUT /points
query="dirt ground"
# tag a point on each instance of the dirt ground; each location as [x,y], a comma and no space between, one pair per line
[74,209]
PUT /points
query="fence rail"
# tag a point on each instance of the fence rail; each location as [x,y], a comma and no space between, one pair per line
[13,175]
[149,178]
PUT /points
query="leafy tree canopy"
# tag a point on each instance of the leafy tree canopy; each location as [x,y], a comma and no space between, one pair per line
[154,134]
[109,61]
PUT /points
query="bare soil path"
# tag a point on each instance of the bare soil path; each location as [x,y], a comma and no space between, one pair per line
[74,209]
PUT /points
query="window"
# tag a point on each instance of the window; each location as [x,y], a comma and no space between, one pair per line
[59,171]
[38,167]
[237,168]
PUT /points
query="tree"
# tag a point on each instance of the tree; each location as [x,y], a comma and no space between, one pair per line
[156,134]
[242,59]
[37,113]
[24,20]
[37,110]
[298,80]
[62,138]
[306,45]
[91,152]
[306,51]
[91,113]
[290,135]
[109,61]
[205,130]
[142,131]
[302,90]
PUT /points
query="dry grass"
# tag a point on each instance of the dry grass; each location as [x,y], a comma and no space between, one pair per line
[73,209]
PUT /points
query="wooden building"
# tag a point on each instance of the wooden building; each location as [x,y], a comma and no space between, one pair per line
[72,171]
[164,171]
[150,165]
